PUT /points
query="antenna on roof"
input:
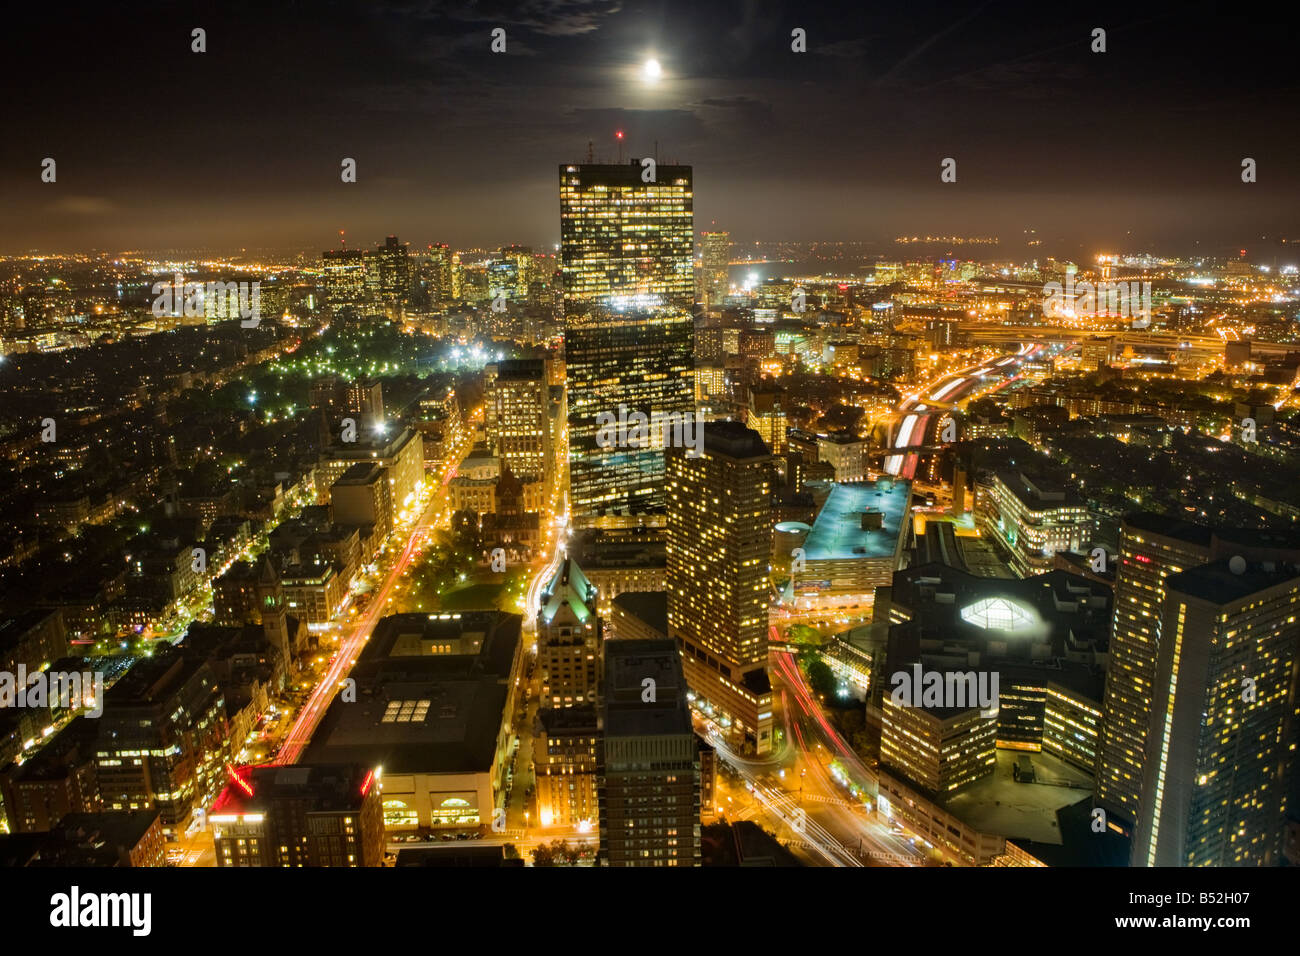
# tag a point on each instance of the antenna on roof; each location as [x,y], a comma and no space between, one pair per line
[590,160]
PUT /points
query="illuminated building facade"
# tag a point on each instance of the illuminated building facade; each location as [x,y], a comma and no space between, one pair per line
[391,276]
[719,542]
[1033,518]
[715,257]
[941,750]
[623,237]
[1151,549]
[766,415]
[640,361]
[565,764]
[401,454]
[517,421]
[1214,781]
[162,739]
[343,277]
[568,639]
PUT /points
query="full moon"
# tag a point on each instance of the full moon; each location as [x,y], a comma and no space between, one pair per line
[651,71]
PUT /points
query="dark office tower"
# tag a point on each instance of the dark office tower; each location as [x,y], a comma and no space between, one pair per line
[624,363]
[1213,785]
[1151,548]
[393,276]
[719,542]
[343,279]
[625,241]
[649,762]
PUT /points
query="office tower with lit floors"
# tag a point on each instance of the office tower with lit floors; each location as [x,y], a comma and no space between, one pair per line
[1214,783]
[650,759]
[715,255]
[627,263]
[619,363]
[1151,548]
[516,418]
[624,240]
[719,542]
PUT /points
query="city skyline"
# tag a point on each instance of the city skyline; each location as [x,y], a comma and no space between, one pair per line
[605,433]
[1087,149]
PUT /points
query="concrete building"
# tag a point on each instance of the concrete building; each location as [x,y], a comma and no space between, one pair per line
[719,540]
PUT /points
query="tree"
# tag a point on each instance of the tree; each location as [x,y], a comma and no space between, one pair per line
[543,855]
[820,678]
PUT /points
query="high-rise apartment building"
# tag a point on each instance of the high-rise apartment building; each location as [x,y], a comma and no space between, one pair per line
[626,241]
[1214,780]
[343,278]
[438,272]
[619,363]
[650,760]
[715,258]
[719,542]
[1152,548]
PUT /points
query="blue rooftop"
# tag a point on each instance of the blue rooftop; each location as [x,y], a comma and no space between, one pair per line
[838,534]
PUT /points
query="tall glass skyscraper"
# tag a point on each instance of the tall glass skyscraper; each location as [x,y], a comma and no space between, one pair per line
[641,361]
[624,241]
[626,253]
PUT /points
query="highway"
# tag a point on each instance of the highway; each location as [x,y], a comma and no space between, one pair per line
[922,410]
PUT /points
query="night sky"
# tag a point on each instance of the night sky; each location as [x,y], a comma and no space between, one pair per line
[1138,148]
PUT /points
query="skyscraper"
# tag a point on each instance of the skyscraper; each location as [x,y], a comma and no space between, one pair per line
[719,542]
[1151,548]
[634,362]
[392,276]
[626,253]
[343,277]
[516,419]
[715,259]
[622,238]
[1214,780]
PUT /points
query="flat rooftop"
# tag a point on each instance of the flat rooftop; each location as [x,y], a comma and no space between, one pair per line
[837,533]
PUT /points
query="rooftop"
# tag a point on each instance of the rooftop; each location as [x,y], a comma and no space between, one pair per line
[838,534]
